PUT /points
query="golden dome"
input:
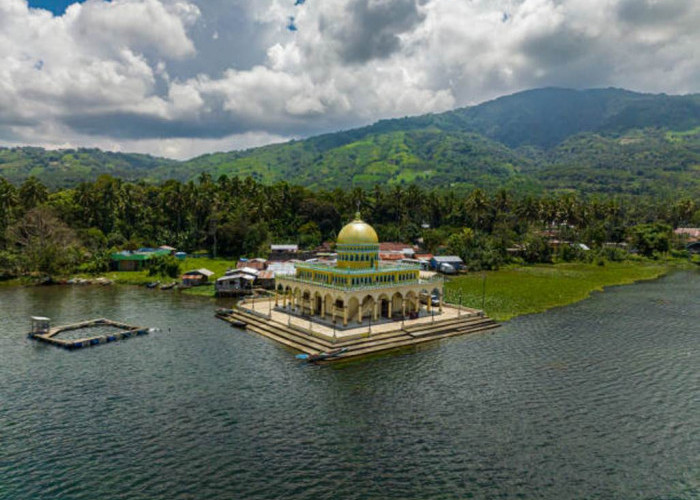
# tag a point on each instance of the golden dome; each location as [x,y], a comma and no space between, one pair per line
[357,232]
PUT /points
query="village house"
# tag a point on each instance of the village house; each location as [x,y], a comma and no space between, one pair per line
[197,277]
[127,260]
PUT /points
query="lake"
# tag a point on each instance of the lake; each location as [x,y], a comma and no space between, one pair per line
[600,399]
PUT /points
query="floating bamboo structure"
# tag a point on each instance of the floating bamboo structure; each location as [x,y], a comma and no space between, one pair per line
[42,332]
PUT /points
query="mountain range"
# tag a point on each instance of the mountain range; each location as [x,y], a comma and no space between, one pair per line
[590,141]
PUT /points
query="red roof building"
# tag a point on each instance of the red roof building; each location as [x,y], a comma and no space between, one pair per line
[423,256]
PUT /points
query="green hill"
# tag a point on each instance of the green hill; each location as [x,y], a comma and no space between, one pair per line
[594,141]
[66,167]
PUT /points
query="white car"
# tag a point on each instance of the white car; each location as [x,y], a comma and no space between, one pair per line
[446,268]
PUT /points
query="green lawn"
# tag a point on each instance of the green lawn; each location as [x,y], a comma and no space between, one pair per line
[524,290]
[217,266]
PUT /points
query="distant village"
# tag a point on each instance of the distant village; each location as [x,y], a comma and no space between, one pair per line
[259,273]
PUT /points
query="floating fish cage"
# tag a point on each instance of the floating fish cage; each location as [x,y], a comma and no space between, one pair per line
[41,330]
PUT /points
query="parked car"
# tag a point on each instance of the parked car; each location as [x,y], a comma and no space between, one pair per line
[447,268]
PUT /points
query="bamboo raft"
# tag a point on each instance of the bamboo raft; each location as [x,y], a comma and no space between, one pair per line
[42,332]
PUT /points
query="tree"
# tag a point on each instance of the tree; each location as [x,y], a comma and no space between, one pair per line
[46,243]
[164,265]
[309,235]
[32,193]
[651,238]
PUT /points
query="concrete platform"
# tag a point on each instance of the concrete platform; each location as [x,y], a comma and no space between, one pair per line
[311,337]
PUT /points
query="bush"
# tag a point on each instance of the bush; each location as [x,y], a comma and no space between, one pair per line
[97,263]
[164,265]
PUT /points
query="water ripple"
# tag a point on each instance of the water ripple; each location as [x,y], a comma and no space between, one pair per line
[597,400]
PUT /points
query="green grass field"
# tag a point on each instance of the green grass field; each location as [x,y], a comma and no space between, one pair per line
[516,291]
[217,266]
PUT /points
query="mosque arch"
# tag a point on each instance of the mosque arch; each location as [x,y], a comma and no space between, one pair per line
[353,307]
[411,301]
[397,302]
[317,304]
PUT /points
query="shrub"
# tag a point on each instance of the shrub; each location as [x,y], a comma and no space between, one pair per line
[164,265]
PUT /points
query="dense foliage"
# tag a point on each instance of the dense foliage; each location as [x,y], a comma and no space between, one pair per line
[73,229]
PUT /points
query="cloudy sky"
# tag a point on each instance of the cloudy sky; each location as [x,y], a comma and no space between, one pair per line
[179,78]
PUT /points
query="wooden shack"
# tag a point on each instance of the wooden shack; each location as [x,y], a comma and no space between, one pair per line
[197,277]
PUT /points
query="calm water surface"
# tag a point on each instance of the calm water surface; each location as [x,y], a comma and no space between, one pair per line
[597,400]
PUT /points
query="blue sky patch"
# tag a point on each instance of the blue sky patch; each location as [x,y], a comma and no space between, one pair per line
[57,7]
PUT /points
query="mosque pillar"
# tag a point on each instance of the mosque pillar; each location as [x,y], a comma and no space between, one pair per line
[403,307]
[359,313]
[391,302]
[376,310]
[323,308]
[429,303]
[277,301]
[345,316]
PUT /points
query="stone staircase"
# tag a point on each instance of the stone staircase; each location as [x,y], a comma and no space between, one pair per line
[399,338]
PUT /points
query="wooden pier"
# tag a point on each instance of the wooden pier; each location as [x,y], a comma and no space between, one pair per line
[359,341]
[49,335]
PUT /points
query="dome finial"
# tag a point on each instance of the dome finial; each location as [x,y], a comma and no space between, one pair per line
[357,214]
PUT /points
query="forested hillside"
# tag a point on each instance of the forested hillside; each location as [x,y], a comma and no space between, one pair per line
[592,141]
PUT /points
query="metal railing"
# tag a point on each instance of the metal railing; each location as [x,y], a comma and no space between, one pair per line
[347,270]
[373,286]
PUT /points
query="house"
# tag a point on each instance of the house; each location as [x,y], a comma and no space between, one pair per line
[391,256]
[284,248]
[257,263]
[281,268]
[689,234]
[197,277]
[266,279]
[392,246]
[423,264]
[235,283]
[247,270]
[283,251]
[450,260]
[134,261]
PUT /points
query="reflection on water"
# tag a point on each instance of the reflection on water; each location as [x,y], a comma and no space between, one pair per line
[597,400]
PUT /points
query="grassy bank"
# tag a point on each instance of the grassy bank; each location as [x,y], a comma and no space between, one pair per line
[524,290]
[217,266]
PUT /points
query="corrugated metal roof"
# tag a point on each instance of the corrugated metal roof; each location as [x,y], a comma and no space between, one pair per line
[447,258]
[249,270]
[202,271]
[237,276]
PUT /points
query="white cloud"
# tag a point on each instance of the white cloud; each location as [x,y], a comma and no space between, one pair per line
[118,73]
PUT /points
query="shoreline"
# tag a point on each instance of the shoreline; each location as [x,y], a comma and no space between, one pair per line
[520,291]
[511,292]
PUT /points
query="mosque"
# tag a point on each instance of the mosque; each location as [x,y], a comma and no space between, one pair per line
[358,286]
